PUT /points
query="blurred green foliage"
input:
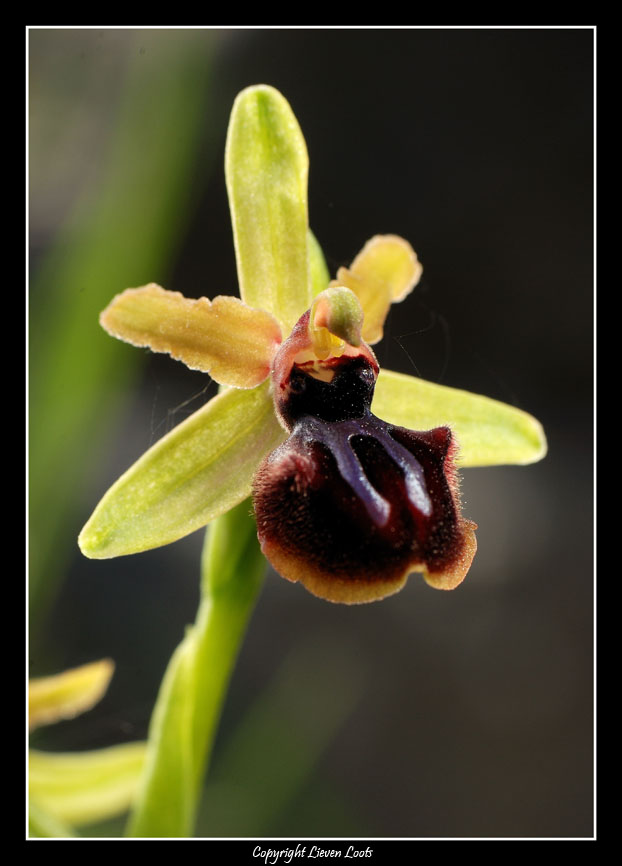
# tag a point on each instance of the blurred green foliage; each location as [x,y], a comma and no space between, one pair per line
[136,110]
[264,779]
[259,776]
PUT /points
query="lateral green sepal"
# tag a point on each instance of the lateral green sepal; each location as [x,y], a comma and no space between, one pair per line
[196,472]
[489,432]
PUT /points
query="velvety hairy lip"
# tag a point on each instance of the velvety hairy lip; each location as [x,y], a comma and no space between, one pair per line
[350,505]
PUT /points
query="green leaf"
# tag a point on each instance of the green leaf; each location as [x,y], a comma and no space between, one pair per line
[82,787]
[194,687]
[489,433]
[42,825]
[266,166]
[199,470]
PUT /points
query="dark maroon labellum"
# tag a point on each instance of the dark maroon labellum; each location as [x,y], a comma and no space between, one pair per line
[350,505]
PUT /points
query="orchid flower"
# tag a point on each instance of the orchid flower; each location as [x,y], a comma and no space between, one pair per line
[353,471]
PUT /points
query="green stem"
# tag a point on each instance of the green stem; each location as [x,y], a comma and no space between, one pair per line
[191,696]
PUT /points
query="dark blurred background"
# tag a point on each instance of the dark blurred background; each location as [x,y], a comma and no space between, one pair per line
[429,714]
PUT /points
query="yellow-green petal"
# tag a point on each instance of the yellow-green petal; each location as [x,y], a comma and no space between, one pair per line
[83,787]
[65,695]
[232,342]
[383,273]
[489,433]
[199,470]
[266,166]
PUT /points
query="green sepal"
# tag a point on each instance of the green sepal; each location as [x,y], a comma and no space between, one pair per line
[266,168]
[198,471]
[83,787]
[489,433]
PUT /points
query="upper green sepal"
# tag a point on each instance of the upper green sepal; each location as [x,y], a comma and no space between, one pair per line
[266,168]
[489,433]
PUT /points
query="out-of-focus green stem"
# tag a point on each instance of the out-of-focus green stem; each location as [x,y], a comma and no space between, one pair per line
[192,693]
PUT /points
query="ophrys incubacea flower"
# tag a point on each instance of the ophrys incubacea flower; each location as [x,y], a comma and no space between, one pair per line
[348,502]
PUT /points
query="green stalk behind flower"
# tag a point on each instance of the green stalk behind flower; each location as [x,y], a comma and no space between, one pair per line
[194,686]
